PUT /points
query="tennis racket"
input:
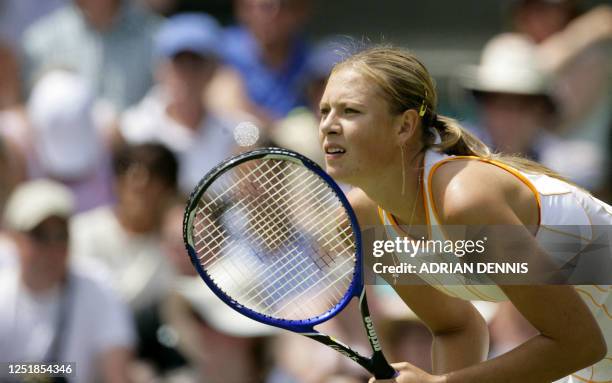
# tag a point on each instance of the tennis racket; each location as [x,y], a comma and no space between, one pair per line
[275,238]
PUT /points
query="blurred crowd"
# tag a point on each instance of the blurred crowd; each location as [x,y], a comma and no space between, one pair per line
[112,110]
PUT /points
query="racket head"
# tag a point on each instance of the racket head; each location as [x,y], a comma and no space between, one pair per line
[304,325]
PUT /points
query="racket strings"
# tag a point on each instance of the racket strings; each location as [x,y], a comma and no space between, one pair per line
[254,233]
[216,246]
[246,207]
[229,185]
[280,288]
[325,257]
[268,236]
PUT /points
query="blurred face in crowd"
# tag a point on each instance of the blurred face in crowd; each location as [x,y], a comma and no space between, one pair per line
[273,22]
[356,121]
[44,250]
[540,19]
[513,121]
[143,198]
[186,75]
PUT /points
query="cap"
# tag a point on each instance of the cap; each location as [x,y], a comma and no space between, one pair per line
[188,32]
[34,201]
[216,313]
[508,64]
[61,111]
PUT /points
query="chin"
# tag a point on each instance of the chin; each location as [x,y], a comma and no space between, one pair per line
[340,175]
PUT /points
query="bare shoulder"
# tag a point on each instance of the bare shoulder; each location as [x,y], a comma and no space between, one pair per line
[365,208]
[469,191]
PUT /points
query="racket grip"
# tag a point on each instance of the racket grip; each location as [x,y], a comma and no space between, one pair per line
[381,368]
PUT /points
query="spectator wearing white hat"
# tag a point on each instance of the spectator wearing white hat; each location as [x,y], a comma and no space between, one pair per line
[519,111]
[173,112]
[220,344]
[51,312]
[66,138]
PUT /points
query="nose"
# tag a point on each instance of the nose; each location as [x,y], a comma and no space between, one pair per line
[329,125]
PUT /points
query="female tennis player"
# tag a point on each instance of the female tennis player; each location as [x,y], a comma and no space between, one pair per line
[413,168]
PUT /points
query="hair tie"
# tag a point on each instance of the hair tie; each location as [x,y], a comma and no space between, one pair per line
[422,109]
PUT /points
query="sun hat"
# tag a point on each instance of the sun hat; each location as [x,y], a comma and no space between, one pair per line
[34,201]
[508,64]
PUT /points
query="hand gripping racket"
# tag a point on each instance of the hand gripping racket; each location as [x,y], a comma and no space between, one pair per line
[275,238]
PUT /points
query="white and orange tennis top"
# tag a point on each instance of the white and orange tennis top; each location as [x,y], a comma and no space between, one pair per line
[566,214]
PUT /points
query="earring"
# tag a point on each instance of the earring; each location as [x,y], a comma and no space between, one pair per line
[403,170]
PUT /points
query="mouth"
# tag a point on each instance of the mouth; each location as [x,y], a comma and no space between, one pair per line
[333,151]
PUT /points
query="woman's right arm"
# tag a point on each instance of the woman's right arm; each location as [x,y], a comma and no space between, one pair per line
[460,334]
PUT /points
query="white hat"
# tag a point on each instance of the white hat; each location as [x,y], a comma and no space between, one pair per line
[61,110]
[34,201]
[216,313]
[509,64]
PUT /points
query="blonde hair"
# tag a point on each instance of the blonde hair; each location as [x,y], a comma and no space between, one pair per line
[406,84]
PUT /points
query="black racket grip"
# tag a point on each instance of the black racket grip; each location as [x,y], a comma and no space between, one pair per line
[381,368]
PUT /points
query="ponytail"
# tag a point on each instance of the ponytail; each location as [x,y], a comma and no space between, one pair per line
[457,141]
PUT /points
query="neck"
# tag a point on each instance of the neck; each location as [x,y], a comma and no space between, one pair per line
[189,114]
[276,55]
[133,222]
[102,20]
[386,191]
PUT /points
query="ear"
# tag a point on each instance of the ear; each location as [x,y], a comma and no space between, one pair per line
[409,122]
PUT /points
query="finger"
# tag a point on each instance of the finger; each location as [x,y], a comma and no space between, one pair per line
[401,365]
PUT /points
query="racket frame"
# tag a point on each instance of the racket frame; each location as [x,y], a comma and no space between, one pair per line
[377,364]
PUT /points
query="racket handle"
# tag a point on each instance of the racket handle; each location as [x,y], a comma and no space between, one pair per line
[381,368]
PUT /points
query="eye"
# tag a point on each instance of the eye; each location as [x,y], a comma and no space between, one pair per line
[351,111]
[323,111]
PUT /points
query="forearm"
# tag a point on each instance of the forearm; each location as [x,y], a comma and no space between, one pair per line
[454,350]
[591,28]
[541,359]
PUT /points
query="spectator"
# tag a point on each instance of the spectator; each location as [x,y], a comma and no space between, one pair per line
[108,42]
[124,239]
[268,52]
[570,46]
[66,142]
[173,112]
[540,19]
[51,312]
[15,17]
[519,110]
[194,337]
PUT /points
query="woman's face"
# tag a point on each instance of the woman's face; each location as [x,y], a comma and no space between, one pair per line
[358,132]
